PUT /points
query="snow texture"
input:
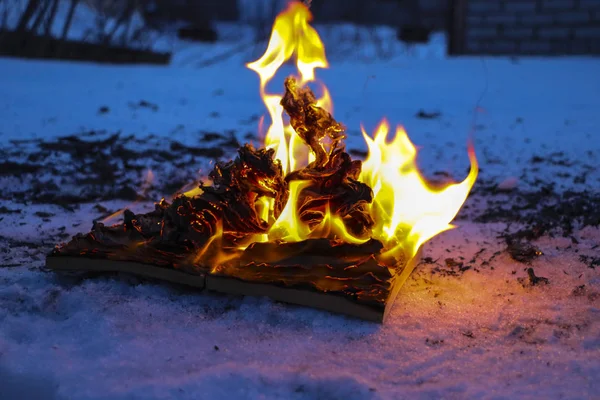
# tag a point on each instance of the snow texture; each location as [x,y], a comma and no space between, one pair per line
[467,324]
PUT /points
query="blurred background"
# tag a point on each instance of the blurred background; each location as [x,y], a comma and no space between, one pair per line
[202,32]
[205,31]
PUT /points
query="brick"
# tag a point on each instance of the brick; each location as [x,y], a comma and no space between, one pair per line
[558,4]
[579,47]
[595,46]
[475,19]
[535,47]
[560,47]
[572,17]
[520,5]
[502,18]
[429,4]
[501,47]
[482,32]
[588,32]
[554,32]
[482,6]
[593,4]
[518,32]
[475,46]
[538,19]
[491,47]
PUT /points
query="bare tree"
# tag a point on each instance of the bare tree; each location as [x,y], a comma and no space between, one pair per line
[69,20]
[53,8]
[127,24]
[265,15]
[30,10]
[114,22]
[124,17]
[41,16]
[4,6]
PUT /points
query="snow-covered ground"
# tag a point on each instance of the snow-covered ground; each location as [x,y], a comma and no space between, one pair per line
[467,324]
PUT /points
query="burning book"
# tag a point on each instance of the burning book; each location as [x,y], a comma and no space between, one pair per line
[298,220]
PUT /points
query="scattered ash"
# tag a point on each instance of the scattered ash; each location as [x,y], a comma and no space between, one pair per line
[98,166]
[521,251]
[540,212]
[532,279]
[422,114]
[530,215]
[591,261]
[434,342]
[6,210]
[23,253]
[537,208]
[579,291]
[144,104]
[468,334]
[449,267]
[550,207]
[544,330]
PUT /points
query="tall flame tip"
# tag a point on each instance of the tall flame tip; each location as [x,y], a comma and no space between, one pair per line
[406,208]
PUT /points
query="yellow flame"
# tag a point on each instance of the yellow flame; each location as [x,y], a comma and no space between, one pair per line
[195,191]
[291,35]
[407,209]
[213,244]
[288,226]
[213,252]
[332,226]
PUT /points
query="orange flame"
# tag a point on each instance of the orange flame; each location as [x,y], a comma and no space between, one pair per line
[407,209]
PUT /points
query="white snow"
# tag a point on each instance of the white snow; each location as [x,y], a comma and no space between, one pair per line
[498,101]
[480,334]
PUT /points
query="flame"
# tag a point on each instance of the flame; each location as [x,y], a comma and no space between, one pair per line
[291,35]
[288,226]
[213,252]
[407,209]
[332,226]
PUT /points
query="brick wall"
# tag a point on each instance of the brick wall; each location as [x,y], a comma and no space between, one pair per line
[396,13]
[527,27]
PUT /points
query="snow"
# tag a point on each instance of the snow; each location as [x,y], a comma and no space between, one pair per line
[479,333]
[518,99]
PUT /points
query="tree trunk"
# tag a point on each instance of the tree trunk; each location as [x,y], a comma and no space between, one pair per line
[39,18]
[126,30]
[126,15]
[43,23]
[32,6]
[69,20]
[4,14]
[3,21]
[134,4]
[50,19]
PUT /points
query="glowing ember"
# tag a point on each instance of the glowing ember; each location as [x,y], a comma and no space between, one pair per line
[406,209]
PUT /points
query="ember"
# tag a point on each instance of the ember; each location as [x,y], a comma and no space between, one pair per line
[298,220]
